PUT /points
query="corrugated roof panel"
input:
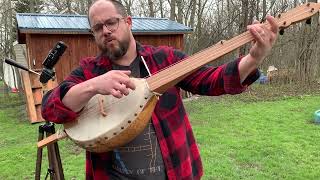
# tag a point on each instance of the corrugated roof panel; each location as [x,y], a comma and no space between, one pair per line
[79,23]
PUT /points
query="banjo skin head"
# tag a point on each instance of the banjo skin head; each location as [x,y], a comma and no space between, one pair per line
[107,122]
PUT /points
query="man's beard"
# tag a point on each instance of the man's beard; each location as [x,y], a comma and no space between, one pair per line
[117,52]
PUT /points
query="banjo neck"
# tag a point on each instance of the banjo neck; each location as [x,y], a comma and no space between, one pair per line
[171,75]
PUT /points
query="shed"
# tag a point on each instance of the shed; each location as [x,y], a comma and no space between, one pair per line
[40,32]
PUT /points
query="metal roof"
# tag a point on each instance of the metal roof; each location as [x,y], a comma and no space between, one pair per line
[37,23]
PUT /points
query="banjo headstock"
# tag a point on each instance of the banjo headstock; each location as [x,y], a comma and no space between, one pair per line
[298,14]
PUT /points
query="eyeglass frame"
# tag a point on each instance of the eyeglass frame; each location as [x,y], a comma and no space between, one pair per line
[100,25]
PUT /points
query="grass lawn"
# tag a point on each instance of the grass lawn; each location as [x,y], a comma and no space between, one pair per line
[18,149]
[258,140]
[240,137]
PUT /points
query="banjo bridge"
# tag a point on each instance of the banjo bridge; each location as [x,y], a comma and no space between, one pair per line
[101,105]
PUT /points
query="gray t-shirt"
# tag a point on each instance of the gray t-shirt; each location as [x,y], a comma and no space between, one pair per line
[141,158]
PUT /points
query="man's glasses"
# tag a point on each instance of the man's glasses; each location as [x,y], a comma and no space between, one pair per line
[111,24]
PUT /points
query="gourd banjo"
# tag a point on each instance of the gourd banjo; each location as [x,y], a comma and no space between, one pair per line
[106,122]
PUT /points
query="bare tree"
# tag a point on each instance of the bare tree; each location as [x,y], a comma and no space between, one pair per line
[32,5]
[128,4]
[172,10]
[6,33]
[264,8]
[244,22]
[180,11]
[151,8]
[161,8]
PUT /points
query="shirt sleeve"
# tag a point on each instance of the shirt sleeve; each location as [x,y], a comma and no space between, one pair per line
[214,81]
[52,107]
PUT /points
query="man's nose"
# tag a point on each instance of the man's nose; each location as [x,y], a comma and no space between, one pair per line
[105,30]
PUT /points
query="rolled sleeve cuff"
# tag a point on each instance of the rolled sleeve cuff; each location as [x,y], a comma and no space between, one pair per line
[55,111]
[232,78]
[63,113]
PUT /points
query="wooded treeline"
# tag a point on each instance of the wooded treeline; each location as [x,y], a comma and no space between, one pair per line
[296,53]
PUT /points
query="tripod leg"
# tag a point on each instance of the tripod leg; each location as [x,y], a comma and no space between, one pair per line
[39,154]
[58,158]
[55,164]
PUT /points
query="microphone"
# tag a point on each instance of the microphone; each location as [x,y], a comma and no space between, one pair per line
[49,62]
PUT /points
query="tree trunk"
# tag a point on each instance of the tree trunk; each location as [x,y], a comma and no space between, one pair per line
[88,4]
[6,36]
[264,8]
[306,51]
[161,8]
[151,8]
[243,23]
[32,5]
[191,39]
[257,9]
[193,13]
[173,10]
[180,9]
[69,9]
[128,5]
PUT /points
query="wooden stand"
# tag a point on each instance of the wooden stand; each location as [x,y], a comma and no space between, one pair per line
[34,92]
[55,166]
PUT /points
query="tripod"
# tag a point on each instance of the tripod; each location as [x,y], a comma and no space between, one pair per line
[55,167]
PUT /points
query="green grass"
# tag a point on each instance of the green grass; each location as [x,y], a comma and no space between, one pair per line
[248,136]
[18,149]
[257,140]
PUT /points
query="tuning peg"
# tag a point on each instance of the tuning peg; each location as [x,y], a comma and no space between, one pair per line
[281,32]
[308,21]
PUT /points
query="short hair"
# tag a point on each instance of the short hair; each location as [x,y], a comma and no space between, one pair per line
[117,4]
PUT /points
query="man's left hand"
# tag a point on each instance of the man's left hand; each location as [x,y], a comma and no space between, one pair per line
[264,38]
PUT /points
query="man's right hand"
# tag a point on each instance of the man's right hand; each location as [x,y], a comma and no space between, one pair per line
[115,82]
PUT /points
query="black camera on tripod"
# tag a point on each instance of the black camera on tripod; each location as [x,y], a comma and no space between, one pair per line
[50,61]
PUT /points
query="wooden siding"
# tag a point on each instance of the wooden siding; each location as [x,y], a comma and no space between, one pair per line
[21,55]
[175,40]
[80,46]
[38,47]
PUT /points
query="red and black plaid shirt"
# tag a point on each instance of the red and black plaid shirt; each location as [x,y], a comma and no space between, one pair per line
[177,143]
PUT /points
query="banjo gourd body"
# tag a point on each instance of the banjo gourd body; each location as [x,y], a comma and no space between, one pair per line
[107,122]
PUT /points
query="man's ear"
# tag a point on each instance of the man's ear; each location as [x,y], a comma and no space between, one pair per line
[128,20]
